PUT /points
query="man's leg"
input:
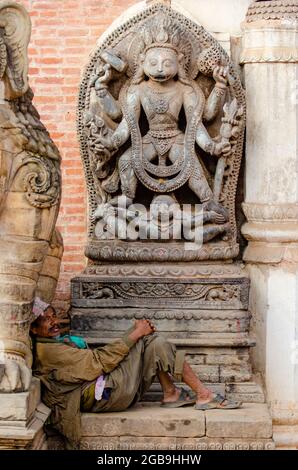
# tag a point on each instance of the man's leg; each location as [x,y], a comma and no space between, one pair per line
[162,360]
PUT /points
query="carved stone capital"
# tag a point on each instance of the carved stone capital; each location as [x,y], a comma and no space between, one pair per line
[268,224]
[165,2]
[272,232]
[269,41]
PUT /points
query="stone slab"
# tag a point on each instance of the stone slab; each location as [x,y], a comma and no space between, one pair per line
[251,421]
[145,419]
[19,406]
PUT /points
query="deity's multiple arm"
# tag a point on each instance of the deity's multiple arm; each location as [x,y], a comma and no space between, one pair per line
[122,133]
[217,97]
[203,139]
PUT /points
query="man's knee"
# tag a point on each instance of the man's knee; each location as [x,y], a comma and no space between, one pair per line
[159,343]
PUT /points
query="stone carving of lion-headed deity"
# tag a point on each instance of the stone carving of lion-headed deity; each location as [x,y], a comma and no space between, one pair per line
[161,122]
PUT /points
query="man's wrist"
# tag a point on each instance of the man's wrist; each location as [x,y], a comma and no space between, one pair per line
[131,339]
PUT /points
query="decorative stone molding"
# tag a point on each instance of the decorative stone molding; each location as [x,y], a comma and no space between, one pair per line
[269,41]
[272,10]
[134,271]
[270,212]
[161,252]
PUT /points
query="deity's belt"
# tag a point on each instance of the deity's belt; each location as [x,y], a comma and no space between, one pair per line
[163,141]
[164,132]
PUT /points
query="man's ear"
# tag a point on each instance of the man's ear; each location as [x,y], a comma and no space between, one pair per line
[142,58]
[33,329]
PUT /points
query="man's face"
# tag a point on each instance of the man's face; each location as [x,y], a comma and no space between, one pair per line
[161,64]
[47,325]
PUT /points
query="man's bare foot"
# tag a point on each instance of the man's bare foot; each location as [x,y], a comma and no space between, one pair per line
[218,401]
[174,396]
[205,397]
[170,397]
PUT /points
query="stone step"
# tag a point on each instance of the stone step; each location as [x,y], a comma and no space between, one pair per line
[149,426]
[212,340]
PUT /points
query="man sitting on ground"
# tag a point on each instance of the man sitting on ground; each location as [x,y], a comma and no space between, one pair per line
[109,378]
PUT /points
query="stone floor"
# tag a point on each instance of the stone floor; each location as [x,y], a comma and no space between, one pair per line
[148,426]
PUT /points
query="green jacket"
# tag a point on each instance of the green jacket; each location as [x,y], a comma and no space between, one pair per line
[62,369]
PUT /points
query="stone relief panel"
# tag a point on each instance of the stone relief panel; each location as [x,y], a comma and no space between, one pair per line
[161,122]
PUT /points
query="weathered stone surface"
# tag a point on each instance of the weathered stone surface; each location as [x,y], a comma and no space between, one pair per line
[250,421]
[241,373]
[228,360]
[246,392]
[19,406]
[147,419]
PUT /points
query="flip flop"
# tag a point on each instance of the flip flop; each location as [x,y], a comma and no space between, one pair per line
[218,402]
[185,398]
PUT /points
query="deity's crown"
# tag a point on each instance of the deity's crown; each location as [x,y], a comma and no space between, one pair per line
[162,34]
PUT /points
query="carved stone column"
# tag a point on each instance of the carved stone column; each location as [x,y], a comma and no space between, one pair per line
[30,249]
[271,205]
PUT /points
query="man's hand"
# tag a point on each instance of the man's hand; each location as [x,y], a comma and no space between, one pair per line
[142,328]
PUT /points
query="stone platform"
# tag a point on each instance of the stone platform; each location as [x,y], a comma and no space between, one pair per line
[22,417]
[148,426]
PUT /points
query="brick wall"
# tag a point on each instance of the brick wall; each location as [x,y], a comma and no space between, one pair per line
[64,32]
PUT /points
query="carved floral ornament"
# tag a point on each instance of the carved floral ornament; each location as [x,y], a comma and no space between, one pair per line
[161,120]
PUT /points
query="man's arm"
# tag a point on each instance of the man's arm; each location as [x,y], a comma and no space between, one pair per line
[78,365]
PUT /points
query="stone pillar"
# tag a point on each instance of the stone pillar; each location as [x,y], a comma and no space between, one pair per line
[271,199]
[30,249]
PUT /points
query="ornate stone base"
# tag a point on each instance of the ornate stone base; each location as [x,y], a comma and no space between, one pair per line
[22,416]
[201,308]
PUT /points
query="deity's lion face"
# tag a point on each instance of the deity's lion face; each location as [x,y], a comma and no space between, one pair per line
[161,64]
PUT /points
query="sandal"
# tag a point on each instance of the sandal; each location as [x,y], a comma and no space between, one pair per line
[218,402]
[185,398]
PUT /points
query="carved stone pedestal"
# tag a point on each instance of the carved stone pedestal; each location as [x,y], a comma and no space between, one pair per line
[22,416]
[200,308]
